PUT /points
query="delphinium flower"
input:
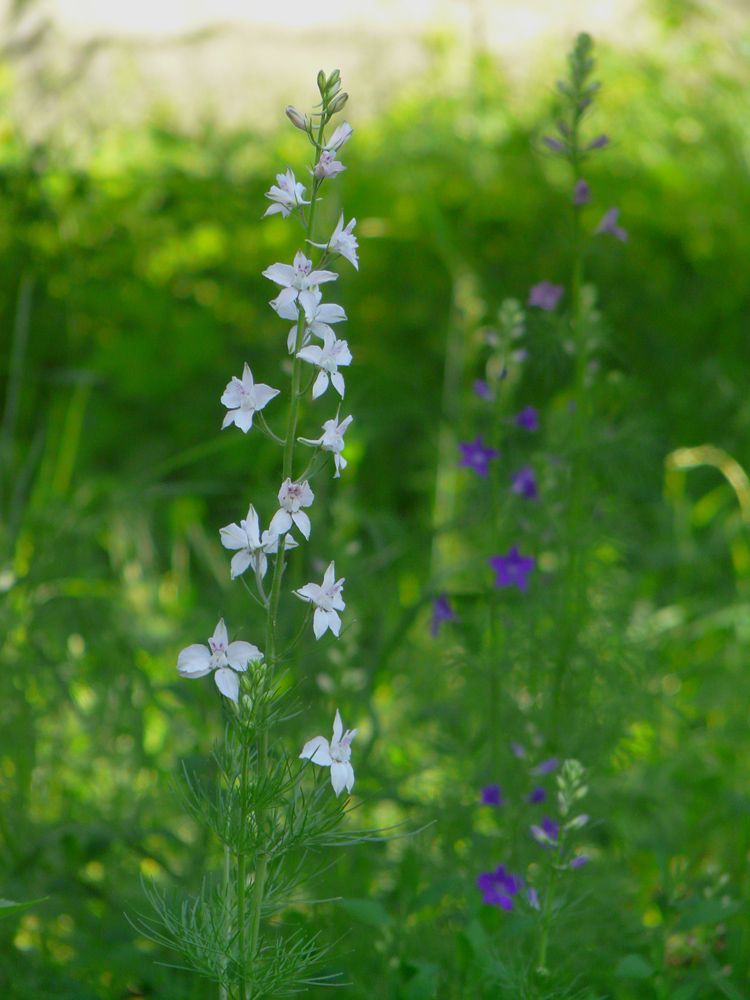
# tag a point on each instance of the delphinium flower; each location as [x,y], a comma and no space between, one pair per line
[292,496]
[545,295]
[492,795]
[295,278]
[499,887]
[287,195]
[327,600]
[251,546]
[327,359]
[528,418]
[318,316]
[476,455]
[512,569]
[225,658]
[343,241]
[547,833]
[441,612]
[335,755]
[243,398]
[610,226]
[332,439]
[524,483]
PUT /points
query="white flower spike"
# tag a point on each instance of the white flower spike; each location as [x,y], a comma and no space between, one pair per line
[295,278]
[327,600]
[328,358]
[226,658]
[335,755]
[292,496]
[288,195]
[332,440]
[242,398]
[252,548]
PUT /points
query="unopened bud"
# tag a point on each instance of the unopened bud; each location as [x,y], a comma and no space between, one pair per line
[337,103]
[333,79]
[297,119]
[321,82]
[577,822]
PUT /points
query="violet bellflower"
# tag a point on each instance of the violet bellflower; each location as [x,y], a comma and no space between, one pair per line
[476,455]
[512,569]
[499,887]
[327,600]
[524,483]
[441,612]
[336,755]
[225,658]
[332,440]
[243,398]
[545,295]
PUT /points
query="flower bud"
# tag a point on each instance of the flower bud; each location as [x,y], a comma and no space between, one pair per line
[333,79]
[577,822]
[337,103]
[297,119]
[321,82]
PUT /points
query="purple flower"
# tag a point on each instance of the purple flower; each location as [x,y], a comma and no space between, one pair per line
[498,887]
[546,834]
[581,192]
[528,418]
[524,483]
[533,898]
[546,767]
[536,795]
[545,295]
[518,750]
[474,455]
[482,390]
[554,144]
[599,142]
[579,861]
[441,612]
[512,569]
[610,226]
[492,796]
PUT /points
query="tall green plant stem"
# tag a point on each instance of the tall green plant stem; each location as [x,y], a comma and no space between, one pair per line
[248,943]
[546,913]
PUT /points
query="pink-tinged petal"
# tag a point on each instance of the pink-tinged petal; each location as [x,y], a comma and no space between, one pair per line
[311,354]
[233,537]
[302,521]
[280,522]
[228,683]
[320,622]
[321,384]
[334,622]
[239,563]
[240,652]
[338,382]
[282,274]
[317,750]
[195,661]
[243,419]
[339,776]
[220,636]
[338,727]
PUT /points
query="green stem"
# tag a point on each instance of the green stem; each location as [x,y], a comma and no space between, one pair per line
[241,885]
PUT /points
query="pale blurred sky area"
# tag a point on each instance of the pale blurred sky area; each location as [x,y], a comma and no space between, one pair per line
[102,61]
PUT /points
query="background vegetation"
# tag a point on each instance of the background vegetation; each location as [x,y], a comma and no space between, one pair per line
[131,290]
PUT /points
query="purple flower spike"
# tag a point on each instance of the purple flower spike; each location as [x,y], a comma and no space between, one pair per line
[578,862]
[512,569]
[528,418]
[524,483]
[492,796]
[474,455]
[546,767]
[441,612]
[610,227]
[599,143]
[518,750]
[536,795]
[581,193]
[482,390]
[545,295]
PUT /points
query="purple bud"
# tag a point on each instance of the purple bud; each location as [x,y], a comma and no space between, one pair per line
[554,144]
[546,766]
[579,862]
[599,142]
[536,795]
[482,390]
[528,418]
[581,192]
[492,796]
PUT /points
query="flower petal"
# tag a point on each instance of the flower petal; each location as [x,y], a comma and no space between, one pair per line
[317,750]
[240,652]
[338,728]
[195,661]
[228,683]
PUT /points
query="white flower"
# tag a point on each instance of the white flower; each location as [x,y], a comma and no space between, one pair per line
[335,755]
[243,398]
[292,496]
[226,658]
[295,278]
[341,135]
[327,601]
[332,439]
[328,358]
[317,316]
[343,241]
[288,195]
[251,547]
[328,165]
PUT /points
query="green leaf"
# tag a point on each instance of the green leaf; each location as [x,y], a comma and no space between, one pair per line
[8,907]
[368,911]
[707,911]
[634,967]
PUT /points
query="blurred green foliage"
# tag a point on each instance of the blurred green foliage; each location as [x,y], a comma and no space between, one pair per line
[131,291]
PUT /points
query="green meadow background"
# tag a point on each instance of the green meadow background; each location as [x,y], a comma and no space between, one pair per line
[130,293]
